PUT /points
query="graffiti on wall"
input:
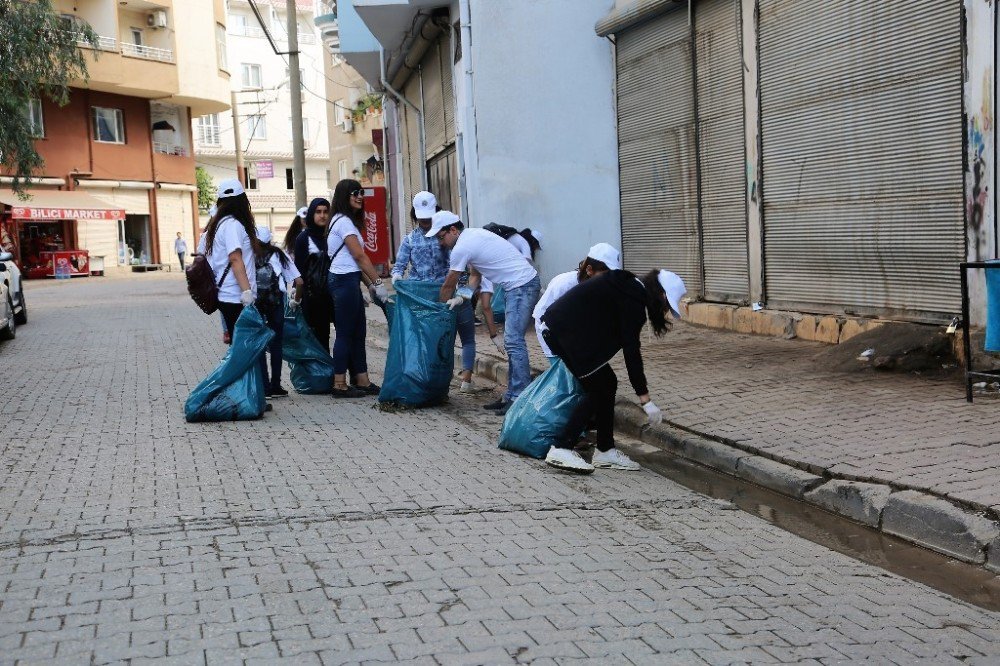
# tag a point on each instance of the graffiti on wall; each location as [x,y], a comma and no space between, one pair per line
[981,131]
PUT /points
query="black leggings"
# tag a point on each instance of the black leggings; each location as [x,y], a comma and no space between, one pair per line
[230,313]
[601,386]
[318,312]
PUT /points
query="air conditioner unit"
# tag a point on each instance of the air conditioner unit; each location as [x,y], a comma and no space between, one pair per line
[347,126]
[157,19]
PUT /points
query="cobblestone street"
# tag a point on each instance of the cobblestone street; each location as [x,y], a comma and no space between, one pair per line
[330,532]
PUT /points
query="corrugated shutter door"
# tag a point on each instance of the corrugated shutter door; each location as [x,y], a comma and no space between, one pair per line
[447,90]
[414,160]
[656,148]
[721,148]
[430,70]
[861,111]
[173,214]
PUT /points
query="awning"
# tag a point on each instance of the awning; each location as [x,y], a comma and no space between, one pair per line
[60,205]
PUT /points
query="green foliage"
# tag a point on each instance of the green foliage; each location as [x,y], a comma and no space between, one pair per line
[39,58]
[206,188]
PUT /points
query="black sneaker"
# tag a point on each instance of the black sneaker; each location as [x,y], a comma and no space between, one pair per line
[371,389]
[278,393]
[268,393]
[502,411]
[349,392]
[496,404]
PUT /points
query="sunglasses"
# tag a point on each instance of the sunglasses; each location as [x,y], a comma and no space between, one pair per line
[358,193]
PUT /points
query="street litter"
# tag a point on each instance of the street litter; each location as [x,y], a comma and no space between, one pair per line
[538,417]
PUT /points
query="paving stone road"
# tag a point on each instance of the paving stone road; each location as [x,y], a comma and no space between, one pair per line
[333,533]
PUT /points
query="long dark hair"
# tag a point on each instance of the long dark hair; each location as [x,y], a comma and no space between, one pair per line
[293,232]
[533,243]
[595,268]
[342,203]
[656,303]
[268,249]
[237,207]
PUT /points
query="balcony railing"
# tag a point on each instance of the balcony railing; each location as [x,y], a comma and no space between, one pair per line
[147,52]
[169,149]
[103,43]
[254,31]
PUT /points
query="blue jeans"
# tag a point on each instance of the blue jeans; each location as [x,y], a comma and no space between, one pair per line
[275,320]
[349,322]
[467,333]
[520,302]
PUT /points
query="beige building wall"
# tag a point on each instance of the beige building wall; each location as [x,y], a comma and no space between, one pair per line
[350,139]
[203,74]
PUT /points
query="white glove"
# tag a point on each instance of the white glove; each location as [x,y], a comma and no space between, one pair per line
[246,298]
[653,413]
[497,341]
[395,279]
[293,304]
[379,292]
[367,299]
[454,302]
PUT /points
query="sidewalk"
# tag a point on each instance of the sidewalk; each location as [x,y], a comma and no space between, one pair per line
[901,453]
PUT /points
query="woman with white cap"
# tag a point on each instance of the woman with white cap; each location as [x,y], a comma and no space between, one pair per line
[298,223]
[230,245]
[600,258]
[586,328]
[274,264]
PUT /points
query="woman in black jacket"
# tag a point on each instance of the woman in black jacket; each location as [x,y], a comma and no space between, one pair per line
[587,326]
[312,261]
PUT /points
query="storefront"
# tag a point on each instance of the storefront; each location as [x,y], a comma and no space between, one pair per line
[43,232]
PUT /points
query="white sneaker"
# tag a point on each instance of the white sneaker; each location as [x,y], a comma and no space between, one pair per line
[568,460]
[467,387]
[615,459]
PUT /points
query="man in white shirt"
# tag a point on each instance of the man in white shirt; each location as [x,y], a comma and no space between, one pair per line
[490,256]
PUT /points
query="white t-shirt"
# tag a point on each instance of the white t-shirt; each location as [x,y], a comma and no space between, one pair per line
[558,286]
[340,228]
[288,273]
[229,237]
[517,240]
[493,257]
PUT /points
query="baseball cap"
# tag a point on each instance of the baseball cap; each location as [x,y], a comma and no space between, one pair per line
[607,255]
[537,233]
[424,205]
[440,220]
[230,187]
[301,212]
[263,234]
[673,285]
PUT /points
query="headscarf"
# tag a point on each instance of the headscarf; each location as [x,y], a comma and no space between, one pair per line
[316,232]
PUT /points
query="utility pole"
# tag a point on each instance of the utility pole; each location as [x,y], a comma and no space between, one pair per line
[240,174]
[295,83]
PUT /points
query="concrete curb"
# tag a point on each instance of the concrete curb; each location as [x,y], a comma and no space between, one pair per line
[927,520]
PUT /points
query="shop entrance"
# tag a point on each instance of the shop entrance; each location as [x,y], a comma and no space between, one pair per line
[135,247]
[38,239]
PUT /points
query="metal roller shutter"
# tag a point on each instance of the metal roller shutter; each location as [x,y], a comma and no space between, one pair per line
[721,150]
[173,214]
[414,160]
[99,238]
[862,147]
[656,148]
[447,90]
[434,123]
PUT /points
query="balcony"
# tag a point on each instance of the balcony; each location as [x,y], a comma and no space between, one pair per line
[329,31]
[109,44]
[147,52]
[169,149]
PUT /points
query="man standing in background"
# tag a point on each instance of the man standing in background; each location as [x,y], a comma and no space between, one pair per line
[181,248]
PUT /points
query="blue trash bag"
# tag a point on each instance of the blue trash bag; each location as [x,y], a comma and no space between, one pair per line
[498,304]
[421,357]
[993,308]
[538,417]
[311,366]
[235,389]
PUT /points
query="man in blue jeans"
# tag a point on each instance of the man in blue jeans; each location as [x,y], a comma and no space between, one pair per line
[489,256]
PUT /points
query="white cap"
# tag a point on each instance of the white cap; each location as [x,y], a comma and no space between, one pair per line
[607,255]
[230,187]
[213,210]
[424,205]
[302,212]
[673,285]
[537,233]
[440,220]
[263,234]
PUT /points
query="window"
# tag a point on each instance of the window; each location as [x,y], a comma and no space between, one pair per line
[250,181]
[137,36]
[302,77]
[329,179]
[35,119]
[109,125]
[239,24]
[289,180]
[220,47]
[256,127]
[342,169]
[251,75]
[208,130]
[305,130]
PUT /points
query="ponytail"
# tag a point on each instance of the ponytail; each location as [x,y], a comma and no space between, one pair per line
[656,303]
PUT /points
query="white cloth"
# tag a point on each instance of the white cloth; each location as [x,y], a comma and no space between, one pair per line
[229,237]
[494,258]
[517,240]
[558,286]
[288,273]
[340,228]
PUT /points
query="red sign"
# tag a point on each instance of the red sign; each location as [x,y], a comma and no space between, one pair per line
[33,213]
[376,226]
[65,263]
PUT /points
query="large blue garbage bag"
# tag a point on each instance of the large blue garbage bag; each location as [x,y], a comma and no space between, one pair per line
[538,417]
[993,308]
[235,389]
[421,357]
[498,303]
[311,366]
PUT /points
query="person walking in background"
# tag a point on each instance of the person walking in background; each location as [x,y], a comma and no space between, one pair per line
[313,263]
[428,262]
[349,266]
[294,229]
[230,245]
[181,248]
[492,257]
[275,270]
[600,258]
[586,327]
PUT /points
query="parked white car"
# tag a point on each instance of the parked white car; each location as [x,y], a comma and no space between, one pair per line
[8,325]
[10,277]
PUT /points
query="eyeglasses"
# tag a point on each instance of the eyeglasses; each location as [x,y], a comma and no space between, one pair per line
[358,193]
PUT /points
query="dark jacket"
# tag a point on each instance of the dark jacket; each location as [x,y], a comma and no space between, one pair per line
[595,319]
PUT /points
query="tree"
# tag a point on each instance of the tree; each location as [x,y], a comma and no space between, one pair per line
[39,57]
[206,188]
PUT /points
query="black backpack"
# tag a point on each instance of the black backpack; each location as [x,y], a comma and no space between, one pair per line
[501,230]
[202,285]
[317,272]
[268,291]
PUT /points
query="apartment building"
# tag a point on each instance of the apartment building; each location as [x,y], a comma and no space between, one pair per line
[119,177]
[261,91]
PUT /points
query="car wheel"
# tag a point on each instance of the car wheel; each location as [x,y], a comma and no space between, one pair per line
[11,330]
[21,317]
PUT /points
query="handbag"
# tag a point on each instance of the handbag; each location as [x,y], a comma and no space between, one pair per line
[201,283]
